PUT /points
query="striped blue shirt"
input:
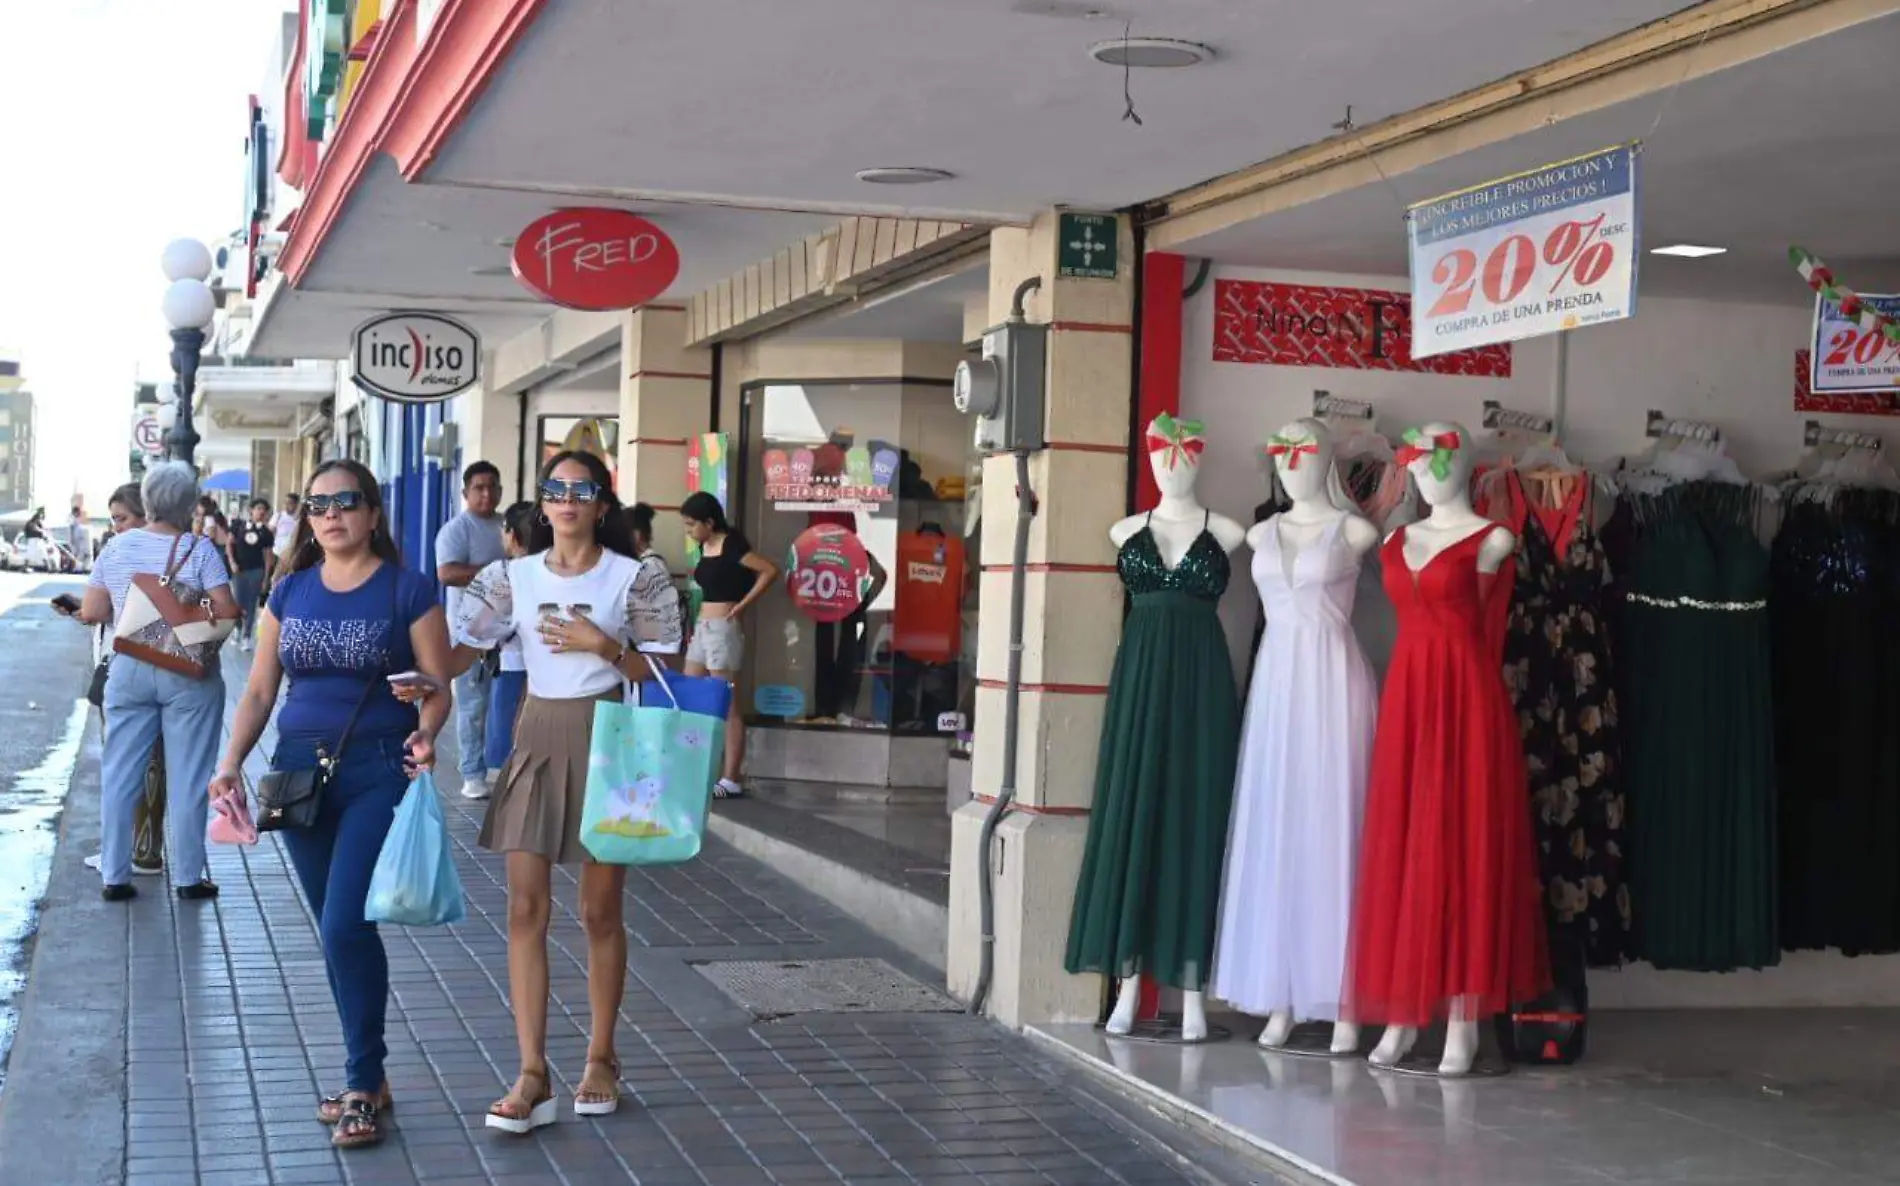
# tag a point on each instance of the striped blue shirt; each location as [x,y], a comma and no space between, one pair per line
[145,550]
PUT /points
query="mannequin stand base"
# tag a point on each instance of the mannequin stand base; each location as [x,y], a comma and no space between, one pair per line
[1424,1065]
[1313,1039]
[1166,1031]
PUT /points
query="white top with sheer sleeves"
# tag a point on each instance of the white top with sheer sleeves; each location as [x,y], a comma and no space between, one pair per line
[632,601]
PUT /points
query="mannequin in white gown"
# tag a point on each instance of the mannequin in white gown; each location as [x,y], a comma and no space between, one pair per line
[1305,755]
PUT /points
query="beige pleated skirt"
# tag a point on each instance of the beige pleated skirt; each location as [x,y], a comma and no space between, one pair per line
[537,802]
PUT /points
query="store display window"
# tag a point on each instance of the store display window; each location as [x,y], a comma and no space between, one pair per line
[857,489]
[598,435]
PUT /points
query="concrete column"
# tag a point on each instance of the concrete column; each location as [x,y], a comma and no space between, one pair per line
[490,425]
[665,400]
[1072,623]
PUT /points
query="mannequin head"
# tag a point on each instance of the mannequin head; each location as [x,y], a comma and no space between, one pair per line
[1174,454]
[1439,457]
[1302,454]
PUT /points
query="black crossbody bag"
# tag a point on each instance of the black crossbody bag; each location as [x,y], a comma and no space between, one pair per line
[294,798]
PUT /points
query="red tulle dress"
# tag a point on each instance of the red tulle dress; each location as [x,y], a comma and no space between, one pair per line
[1448,900]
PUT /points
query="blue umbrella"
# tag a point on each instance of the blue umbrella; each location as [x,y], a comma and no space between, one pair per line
[229,481]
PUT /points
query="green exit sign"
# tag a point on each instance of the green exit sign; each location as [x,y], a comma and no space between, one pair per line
[1087,247]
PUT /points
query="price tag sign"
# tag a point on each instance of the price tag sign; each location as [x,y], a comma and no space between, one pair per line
[828,572]
[1545,251]
[1849,358]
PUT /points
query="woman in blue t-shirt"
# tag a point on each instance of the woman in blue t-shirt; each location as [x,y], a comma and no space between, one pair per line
[346,617]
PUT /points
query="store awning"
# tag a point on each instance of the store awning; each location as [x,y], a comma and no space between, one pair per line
[229,481]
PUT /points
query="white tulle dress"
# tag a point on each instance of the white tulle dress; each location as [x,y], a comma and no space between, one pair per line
[1300,788]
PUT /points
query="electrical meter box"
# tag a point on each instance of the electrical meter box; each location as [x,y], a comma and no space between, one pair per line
[1004,388]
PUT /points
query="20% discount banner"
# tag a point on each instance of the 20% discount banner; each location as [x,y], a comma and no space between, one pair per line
[828,572]
[1544,251]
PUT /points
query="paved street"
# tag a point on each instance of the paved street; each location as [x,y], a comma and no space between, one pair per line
[44,663]
[188,1043]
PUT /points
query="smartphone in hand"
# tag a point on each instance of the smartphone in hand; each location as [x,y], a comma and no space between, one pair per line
[415,679]
[66,604]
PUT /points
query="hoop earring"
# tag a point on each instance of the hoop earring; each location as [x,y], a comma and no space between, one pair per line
[543,516]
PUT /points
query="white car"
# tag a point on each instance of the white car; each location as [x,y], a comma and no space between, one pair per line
[37,555]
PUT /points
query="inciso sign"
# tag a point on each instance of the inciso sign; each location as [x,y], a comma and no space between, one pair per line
[416,358]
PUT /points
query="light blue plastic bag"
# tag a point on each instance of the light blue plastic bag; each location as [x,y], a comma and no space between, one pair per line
[649,780]
[415,883]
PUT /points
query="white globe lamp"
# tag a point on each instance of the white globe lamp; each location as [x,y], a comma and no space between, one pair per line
[167,416]
[189,304]
[186,259]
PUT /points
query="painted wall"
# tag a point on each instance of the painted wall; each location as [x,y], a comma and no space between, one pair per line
[1728,364]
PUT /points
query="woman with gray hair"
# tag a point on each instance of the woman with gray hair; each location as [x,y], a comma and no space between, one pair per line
[146,703]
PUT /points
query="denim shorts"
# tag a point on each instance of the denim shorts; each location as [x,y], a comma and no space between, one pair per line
[718,645]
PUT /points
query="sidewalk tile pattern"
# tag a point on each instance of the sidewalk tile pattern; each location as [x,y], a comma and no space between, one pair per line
[232,1036]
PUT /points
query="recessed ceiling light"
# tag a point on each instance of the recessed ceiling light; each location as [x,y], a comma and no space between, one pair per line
[492,270]
[1688,251]
[903,175]
[1149,52]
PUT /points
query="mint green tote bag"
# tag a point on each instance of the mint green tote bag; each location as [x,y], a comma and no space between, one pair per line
[650,773]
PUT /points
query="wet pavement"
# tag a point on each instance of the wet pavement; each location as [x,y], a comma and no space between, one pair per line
[44,665]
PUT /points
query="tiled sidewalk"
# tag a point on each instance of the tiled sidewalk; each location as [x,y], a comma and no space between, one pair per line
[230,1035]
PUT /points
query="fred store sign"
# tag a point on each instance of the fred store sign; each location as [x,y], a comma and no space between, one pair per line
[416,358]
[595,259]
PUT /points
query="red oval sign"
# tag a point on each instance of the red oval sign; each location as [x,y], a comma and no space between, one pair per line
[595,259]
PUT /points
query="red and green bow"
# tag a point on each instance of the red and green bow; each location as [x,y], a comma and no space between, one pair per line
[1439,448]
[1292,448]
[1180,440]
[1821,280]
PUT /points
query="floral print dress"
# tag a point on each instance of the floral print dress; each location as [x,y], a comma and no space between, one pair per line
[1557,658]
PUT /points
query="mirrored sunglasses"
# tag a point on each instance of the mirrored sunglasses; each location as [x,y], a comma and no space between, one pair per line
[318,505]
[562,490]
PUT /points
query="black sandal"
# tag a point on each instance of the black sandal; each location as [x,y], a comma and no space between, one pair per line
[122,892]
[330,1107]
[359,1124]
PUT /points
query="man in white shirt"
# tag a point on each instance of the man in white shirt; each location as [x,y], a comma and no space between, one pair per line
[467,544]
[283,531]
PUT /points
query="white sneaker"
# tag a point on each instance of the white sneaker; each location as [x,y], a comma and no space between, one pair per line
[95,861]
[478,788]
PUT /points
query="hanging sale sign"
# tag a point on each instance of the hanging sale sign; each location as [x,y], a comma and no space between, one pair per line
[828,572]
[1849,357]
[1544,251]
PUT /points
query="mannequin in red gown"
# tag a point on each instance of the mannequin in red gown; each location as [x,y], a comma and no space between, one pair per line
[1447,920]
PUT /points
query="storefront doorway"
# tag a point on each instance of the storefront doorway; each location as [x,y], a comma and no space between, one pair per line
[1740,1033]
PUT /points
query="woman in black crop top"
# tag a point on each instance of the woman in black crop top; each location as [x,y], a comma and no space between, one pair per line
[731,577]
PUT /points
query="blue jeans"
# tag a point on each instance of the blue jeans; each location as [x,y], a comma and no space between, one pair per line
[144,702]
[246,586]
[471,720]
[334,859]
[504,703]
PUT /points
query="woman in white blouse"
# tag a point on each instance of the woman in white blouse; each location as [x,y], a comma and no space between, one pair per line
[584,609]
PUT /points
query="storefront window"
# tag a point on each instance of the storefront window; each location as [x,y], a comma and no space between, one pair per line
[599,435]
[857,489]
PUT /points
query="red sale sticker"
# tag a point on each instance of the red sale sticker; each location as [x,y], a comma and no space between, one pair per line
[1550,250]
[828,573]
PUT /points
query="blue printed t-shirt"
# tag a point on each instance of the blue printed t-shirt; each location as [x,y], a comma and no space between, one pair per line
[331,643]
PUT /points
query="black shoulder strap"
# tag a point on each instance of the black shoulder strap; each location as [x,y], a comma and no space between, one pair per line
[389,654]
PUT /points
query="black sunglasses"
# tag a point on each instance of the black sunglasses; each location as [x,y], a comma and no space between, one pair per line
[562,490]
[318,505]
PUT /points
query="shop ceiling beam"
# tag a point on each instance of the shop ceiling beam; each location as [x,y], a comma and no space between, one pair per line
[1694,43]
[856,258]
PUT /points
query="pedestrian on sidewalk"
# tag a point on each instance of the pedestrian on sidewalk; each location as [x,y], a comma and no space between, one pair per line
[283,529]
[253,556]
[126,510]
[508,671]
[731,579]
[345,617]
[146,704]
[466,544]
[584,608]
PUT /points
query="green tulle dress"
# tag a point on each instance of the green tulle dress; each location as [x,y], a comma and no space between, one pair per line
[1149,893]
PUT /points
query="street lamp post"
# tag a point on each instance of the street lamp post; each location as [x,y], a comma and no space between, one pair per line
[189,307]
